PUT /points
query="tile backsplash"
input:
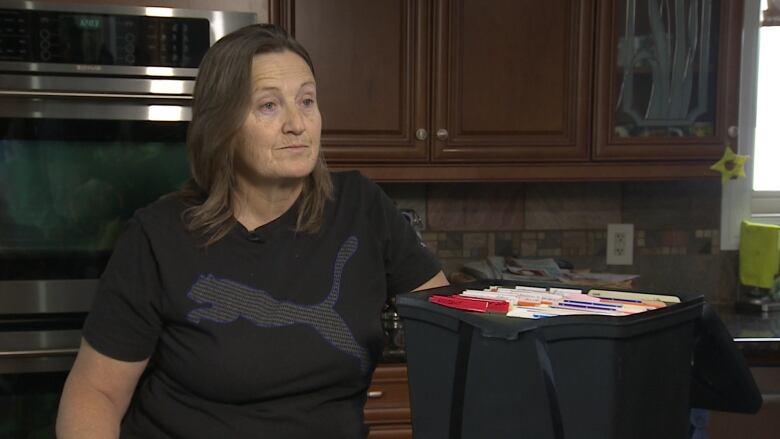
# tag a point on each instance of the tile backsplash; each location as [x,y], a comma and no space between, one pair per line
[676,228]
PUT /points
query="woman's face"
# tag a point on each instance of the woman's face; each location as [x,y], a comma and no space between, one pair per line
[281,131]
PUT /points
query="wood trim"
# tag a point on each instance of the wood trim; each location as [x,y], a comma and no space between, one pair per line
[732,65]
[385,416]
[390,372]
[390,432]
[281,13]
[534,172]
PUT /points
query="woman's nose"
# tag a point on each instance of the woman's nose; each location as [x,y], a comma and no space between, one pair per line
[294,123]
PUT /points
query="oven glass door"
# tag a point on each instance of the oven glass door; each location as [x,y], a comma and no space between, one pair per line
[67,187]
[28,404]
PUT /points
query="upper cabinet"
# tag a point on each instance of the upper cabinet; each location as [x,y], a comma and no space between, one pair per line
[449,80]
[371,60]
[511,80]
[442,90]
[667,78]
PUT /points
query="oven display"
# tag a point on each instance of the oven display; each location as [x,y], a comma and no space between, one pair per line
[102,39]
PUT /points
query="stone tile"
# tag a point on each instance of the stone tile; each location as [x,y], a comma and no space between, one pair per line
[451,241]
[654,238]
[476,252]
[576,240]
[408,196]
[597,245]
[428,236]
[712,276]
[450,253]
[503,247]
[674,238]
[728,282]
[472,240]
[567,206]
[475,207]
[517,238]
[528,247]
[552,239]
[666,205]
[701,246]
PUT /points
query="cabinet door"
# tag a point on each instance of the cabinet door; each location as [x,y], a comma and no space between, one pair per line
[512,80]
[371,62]
[667,78]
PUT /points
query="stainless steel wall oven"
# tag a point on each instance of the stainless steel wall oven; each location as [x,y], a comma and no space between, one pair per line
[94,104]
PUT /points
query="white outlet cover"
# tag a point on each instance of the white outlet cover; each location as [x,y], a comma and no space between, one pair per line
[620,244]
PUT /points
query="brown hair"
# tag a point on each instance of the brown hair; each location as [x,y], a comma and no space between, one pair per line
[220,103]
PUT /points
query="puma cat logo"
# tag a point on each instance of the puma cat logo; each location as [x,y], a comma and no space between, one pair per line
[227,301]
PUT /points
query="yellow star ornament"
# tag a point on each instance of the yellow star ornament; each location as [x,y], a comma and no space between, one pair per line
[731,166]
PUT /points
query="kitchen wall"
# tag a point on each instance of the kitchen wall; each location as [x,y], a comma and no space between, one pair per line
[676,228]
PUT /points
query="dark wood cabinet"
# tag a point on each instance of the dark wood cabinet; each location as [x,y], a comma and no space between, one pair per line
[499,80]
[511,80]
[468,90]
[387,408]
[371,60]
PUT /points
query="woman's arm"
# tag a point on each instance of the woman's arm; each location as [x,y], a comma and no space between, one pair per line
[440,280]
[96,395]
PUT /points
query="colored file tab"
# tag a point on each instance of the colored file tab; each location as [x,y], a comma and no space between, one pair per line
[641,297]
[471,304]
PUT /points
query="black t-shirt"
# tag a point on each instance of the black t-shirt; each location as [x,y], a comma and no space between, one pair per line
[265,334]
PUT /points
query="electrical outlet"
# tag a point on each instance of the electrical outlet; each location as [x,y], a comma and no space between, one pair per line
[620,244]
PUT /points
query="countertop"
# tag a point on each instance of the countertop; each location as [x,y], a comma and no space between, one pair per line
[757,334]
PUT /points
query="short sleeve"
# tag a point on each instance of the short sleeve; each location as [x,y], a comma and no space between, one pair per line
[408,262]
[125,320]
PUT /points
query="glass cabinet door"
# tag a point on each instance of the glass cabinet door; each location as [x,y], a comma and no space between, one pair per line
[666,82]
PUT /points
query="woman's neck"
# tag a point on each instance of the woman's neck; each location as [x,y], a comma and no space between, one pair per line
[257,205]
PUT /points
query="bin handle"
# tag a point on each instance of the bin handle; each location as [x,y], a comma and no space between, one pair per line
[465,333]
[549,385]
[459,380]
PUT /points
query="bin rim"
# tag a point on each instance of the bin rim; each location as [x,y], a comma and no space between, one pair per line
[415,305]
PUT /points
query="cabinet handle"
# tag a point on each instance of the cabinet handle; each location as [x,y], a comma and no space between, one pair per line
[421,134]
[733,131]
[442,134]
[375,394]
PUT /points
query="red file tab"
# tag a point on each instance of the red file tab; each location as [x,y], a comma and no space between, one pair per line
[471,304]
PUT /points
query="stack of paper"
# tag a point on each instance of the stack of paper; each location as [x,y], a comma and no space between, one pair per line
[534,302]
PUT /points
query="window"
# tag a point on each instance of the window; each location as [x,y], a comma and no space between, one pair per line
[757,197]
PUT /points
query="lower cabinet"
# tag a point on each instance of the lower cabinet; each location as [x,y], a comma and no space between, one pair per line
[763,425]
[387,407]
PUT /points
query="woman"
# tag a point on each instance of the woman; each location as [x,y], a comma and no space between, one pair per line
[248,304]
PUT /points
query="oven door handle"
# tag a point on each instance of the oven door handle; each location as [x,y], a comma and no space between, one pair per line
[70,94]
[39,353]
[56,105]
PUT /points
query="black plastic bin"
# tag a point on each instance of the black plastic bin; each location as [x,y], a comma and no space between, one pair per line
[474,375]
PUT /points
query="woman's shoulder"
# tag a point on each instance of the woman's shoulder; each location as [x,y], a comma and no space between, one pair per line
[164,212]
[353,183]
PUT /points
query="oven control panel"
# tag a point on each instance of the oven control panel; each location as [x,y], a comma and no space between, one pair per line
[38,36]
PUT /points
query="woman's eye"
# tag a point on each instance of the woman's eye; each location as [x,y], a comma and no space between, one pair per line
[308,102]
[268,107]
